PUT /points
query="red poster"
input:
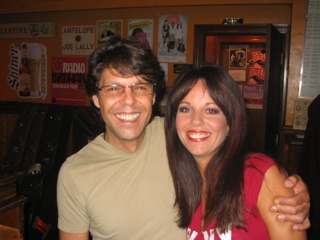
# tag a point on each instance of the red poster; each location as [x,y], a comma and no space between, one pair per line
[257,69]
[256,76]
[68,80]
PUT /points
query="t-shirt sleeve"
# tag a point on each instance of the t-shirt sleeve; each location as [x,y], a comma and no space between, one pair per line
[72,215]
[255,168]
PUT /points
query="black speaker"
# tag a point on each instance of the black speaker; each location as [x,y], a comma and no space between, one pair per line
[44,136]
[39,183]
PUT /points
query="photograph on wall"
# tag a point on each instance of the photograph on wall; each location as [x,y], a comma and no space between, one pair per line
[237,56]
[172,38]
[253,96]
[28,70]
[107,28]
[78,40]
[142,30]
[68,80]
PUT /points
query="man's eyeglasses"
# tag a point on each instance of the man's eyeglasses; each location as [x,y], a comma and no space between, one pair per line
[139,89]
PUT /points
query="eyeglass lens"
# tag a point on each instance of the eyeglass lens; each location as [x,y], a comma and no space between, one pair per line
[138,89]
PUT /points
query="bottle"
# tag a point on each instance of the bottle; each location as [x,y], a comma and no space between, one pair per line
[24,74]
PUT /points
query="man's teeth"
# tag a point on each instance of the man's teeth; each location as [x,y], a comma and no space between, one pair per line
[198,135]
[128,117]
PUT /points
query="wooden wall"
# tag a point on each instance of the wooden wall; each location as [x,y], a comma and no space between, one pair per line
[83,12]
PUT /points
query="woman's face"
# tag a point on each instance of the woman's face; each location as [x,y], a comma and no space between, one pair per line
[201,124]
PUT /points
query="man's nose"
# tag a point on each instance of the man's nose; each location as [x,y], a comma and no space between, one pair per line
[128,96]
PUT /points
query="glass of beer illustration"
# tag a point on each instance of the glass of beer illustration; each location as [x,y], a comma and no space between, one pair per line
[34,62]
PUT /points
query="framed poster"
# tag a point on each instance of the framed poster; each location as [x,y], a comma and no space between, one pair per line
[142,30]
[238,56]
[107,28]
[172,38]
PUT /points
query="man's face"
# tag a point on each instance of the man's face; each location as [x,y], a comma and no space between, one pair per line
[126,115]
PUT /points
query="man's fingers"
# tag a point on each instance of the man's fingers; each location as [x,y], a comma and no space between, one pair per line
[298,199]
[297,219]
[292,181]
[290,210]
[301,223]
[302,227]
[289,201]
[294,209]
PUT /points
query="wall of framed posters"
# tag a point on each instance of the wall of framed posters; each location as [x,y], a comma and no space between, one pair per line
[255,56]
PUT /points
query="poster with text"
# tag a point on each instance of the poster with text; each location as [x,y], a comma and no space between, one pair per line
[107,28]
[172,38]
[28,30]
[68,80]
[78,40]
[27,74]
[142,30]
[256,76]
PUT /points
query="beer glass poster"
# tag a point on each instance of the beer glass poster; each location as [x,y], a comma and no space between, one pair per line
[27,74]
[68,80]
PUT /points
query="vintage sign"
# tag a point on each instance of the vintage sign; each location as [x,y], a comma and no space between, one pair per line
[28,30]
[78,40]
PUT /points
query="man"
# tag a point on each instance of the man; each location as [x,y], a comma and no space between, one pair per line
[119,185]
[309,165]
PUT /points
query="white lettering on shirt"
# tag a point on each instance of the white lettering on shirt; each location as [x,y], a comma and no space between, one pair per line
[209,235]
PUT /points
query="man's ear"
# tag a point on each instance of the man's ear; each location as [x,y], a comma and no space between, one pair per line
[96,101]
[154,99]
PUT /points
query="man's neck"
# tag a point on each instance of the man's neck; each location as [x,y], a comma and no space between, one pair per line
[125,145]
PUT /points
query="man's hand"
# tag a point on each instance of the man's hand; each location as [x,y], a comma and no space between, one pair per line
[294,209]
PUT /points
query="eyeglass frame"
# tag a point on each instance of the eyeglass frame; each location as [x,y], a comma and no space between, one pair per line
[129,86]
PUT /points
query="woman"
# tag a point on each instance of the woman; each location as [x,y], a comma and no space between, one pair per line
[223,190]
[179,34]
[165,32]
